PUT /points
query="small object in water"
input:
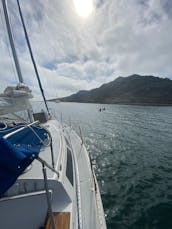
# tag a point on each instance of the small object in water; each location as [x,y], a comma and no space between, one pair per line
[104,108]
[100,109]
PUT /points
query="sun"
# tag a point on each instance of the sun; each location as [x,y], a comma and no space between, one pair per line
[83,7]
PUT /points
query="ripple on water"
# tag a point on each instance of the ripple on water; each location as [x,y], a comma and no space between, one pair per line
[132,149]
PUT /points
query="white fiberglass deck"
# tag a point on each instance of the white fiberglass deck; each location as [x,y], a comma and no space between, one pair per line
[36,171]
[78,197]
[92,217]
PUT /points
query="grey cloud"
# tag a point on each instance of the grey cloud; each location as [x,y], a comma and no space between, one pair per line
[120,38]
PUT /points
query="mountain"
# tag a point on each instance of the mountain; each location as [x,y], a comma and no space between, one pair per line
[134,89]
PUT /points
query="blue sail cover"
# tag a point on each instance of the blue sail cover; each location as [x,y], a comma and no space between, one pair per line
[17,153]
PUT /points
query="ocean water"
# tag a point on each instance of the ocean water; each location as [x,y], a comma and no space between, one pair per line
[131,147]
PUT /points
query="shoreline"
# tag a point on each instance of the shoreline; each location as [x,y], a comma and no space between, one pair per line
[135,104]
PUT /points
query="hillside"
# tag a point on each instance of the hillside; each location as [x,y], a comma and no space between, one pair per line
[134,89]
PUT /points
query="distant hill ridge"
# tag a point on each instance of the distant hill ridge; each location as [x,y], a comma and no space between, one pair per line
[134,89]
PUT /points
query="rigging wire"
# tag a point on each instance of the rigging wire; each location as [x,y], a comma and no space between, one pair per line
[32,57]
[8,48]
[11,39]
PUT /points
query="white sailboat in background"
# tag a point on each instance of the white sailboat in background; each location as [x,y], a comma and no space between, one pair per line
[46,177]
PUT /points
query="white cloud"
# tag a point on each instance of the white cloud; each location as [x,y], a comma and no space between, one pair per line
[74,53]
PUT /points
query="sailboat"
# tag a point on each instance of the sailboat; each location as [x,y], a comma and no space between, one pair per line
[46,177]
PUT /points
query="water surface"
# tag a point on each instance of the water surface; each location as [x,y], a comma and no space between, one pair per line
[132,148]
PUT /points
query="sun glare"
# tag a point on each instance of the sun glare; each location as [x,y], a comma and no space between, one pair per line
[83,7]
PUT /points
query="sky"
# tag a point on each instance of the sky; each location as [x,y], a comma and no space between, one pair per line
[77,52]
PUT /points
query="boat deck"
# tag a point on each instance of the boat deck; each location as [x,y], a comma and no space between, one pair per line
[62,221]
[54,128]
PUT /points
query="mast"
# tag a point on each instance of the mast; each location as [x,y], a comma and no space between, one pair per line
[11,39]
[14,52]
[32,57]
[17,65]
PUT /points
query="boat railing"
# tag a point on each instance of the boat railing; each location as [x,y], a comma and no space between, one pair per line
[38,158]
[19,130]
[44,165]
[48,166]
[25,195]
[60,156]
[24,203]
[30,126]
[50,211]
[78,188]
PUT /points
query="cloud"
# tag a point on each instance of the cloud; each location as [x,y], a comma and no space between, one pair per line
[74,53]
